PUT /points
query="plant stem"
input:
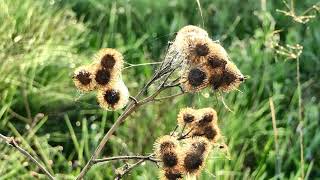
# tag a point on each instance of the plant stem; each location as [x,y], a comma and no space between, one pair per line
[13,143]
[150,158]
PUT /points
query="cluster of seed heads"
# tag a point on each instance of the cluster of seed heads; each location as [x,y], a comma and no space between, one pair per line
[186,156]
[104,75]
[205,63]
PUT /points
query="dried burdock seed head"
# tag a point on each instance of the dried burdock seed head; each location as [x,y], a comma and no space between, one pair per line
[197,49]
[113,97]
[169,158]
[187,32]
[83,78]
[110,59]
[186,117]
[193,162]
[171,173]
[200,145]
[208,116]
[218,57]
[229,80]
[216,81]
[195,79]
[165,144]
[191,29]
[103,77]
[211,132]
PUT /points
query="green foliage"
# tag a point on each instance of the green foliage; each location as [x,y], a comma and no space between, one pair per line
[42,42]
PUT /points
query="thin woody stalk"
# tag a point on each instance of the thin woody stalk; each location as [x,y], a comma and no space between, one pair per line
[14,144]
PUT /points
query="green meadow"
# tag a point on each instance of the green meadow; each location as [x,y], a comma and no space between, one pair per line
[274,43]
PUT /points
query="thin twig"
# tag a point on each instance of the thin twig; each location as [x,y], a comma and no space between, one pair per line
[142,64]
[128,169]
[168,97]
[185,135]
[13,143]
[149,158]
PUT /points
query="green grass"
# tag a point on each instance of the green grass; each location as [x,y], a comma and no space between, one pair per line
[42,42]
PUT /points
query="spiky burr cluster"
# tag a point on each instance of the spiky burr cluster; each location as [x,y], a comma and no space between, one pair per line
[185,155]
[104,75]
[205,63]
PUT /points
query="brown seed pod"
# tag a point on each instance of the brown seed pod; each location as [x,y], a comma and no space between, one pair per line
[186,117]
[180,42]
[193,162]
[164,144]
[195,79]
[195,153]
[110,59]
[207,116]
[197,49]
[229,80]
[113,97]
[211,132]
[200,145]
[172,173]
[103,77]
[83,78]
[218,57]
[170,158]
[187,30]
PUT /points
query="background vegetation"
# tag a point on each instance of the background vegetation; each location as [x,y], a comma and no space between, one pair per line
[41,42]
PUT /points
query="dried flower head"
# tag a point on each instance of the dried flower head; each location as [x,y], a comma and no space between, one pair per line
[83,78]
[218,57]
[170,158]
[195,79]
[196,152]
[103,77]
[197,49]
[110,59]
[172,173]
[211,132]
[113,97]
[199,145]
[191,29]
[186,117]
[229,80]
[208,116]
[164,144]
[193,161]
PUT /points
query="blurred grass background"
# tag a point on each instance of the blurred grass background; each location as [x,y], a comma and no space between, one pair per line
[41,42]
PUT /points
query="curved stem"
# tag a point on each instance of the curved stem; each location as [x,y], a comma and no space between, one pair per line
[13,143]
